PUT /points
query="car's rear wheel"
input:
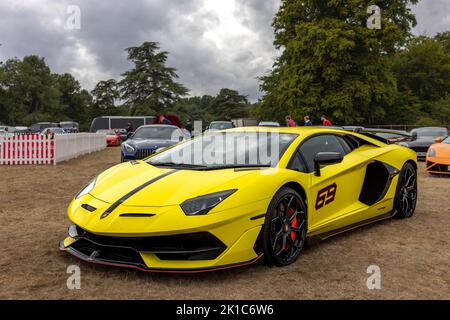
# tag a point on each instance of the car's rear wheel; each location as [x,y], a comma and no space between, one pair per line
[284,231]
[406,196]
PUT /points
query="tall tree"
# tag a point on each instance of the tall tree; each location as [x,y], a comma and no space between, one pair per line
[105,95]
[30,91]
[150,86]
[229,104]
[422,70]
[332,62]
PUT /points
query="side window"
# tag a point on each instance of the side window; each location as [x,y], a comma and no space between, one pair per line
[322,143]
[297,163]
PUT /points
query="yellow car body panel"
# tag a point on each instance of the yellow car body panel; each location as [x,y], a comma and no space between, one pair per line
[237,220]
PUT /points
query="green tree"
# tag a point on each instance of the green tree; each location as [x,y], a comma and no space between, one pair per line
[332,63]
[422,71]
[150,87]
[30,93]
[229,104]
[105,95]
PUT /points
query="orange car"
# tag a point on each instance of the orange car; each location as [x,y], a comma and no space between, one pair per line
[438,157]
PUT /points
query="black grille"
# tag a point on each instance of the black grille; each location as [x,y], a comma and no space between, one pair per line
[437,167]
[144,153]
[194,246]
[420,149]
[109,254]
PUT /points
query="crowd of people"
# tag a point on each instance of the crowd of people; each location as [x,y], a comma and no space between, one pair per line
[290,122]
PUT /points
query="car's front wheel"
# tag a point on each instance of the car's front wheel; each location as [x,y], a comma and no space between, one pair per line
[284,231]
[406,196]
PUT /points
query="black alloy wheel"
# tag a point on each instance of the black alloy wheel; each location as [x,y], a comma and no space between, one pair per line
[284,231]
[406,196]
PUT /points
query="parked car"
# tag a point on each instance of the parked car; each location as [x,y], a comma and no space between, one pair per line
[52,131]
[38,127]
[122,133]
[112,138]
[219,125]
[70,126]
[424,138]
[268,124]
[151,139]
[438,157]
[244,122]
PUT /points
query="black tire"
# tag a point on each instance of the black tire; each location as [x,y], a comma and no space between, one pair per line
[406,196]
[284,231]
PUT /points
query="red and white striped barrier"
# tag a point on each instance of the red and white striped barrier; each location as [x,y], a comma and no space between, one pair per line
[26,149]
[39,149]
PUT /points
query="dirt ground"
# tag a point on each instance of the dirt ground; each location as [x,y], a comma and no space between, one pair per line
[413,254]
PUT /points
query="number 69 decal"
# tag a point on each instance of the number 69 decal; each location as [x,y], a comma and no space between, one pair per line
[326,196]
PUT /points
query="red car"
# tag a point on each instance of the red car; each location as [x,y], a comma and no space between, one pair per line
[112,138]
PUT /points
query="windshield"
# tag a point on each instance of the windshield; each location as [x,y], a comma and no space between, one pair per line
[67,125]
[157,133]
[221,125]
[431,133]
[227,149]
[107,132]
[446,140]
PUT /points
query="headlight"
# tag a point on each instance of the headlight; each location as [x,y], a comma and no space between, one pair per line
[432,153]
[86,189]
[403,144]
[128,148]
[202,205]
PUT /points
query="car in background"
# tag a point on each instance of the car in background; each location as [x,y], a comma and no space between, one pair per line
[8,129]
[70,126]
[38,127]
[112,138]
[150,139]
[52,131]
[268,124]
[424,138]
[438,157]
[219,125]
[122,133]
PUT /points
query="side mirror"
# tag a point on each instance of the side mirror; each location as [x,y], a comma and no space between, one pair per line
[414,135]
[323,158]
[438,139]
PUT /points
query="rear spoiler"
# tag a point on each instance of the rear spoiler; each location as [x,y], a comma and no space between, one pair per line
[372,133]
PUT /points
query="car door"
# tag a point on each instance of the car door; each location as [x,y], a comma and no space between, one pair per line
[335,193]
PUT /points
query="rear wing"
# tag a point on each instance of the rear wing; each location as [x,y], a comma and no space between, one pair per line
[375,133]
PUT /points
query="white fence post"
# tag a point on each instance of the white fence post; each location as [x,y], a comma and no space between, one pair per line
[39,149]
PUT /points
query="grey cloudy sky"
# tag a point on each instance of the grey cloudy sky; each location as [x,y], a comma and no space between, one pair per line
[212,43]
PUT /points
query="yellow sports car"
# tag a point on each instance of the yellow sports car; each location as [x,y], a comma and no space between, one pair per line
[228,198]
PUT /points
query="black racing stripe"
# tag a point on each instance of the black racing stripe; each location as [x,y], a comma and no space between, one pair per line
[133,192]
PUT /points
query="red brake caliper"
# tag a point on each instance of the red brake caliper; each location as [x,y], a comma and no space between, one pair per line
[294,224]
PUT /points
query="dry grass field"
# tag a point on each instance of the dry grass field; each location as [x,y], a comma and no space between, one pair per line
[413,254]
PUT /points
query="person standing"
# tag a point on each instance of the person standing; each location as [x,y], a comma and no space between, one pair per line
[130,128]
[308,122]
[189,126]
[325,121]
[290,122]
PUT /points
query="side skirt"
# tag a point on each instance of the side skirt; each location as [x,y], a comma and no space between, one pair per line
[329,234]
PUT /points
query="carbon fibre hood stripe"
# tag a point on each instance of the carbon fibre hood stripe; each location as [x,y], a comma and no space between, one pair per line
[133,192]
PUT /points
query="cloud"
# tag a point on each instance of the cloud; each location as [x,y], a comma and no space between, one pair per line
[213,44]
